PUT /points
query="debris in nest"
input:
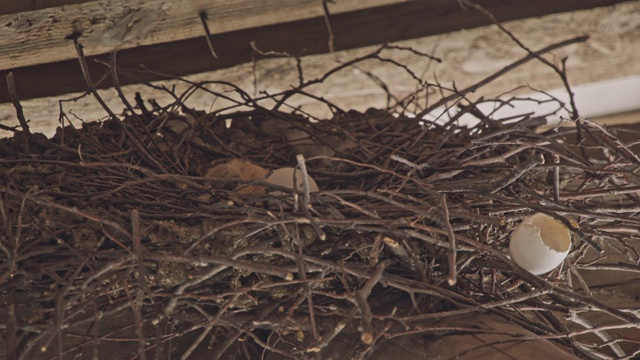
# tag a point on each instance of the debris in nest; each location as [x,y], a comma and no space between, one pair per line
[170,240]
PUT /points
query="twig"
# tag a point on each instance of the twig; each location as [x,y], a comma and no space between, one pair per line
[453,273]
[305,180]
[576,318]
[556,178]
[536,159]
[399,159]
[87,78]
[327,21]
[13,94]
[561,72]
[207,34]
[501,72]
[366,331]
[138,251]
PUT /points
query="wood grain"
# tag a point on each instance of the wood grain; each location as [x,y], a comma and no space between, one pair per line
[43,34]
[18,6]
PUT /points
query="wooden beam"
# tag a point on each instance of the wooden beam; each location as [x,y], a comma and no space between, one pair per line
[18,6]
[43,34]
[353,26]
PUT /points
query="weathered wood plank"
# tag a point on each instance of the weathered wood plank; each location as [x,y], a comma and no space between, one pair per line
[402,20]
[18,6]
[43,35]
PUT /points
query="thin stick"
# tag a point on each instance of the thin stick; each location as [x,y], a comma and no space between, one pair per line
[561,72]
[367,334]
[556,178]
[305,180]
[203,18]
[92,88]
[520,170]
[410,164]
[136,306]
[573,316]
[499,73]
[453,274]
[116,82]
[327,21]
[13,94]
[302,273]
[87,78]
[137,251]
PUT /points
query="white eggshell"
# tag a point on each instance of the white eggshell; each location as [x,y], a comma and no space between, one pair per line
[284,177]
[540,243]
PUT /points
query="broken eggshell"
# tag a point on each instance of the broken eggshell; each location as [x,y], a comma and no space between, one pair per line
[540,243]
[284,177]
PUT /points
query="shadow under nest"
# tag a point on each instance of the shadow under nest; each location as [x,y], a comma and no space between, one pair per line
[153,236]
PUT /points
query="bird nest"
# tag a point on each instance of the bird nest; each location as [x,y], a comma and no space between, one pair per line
[157,232]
